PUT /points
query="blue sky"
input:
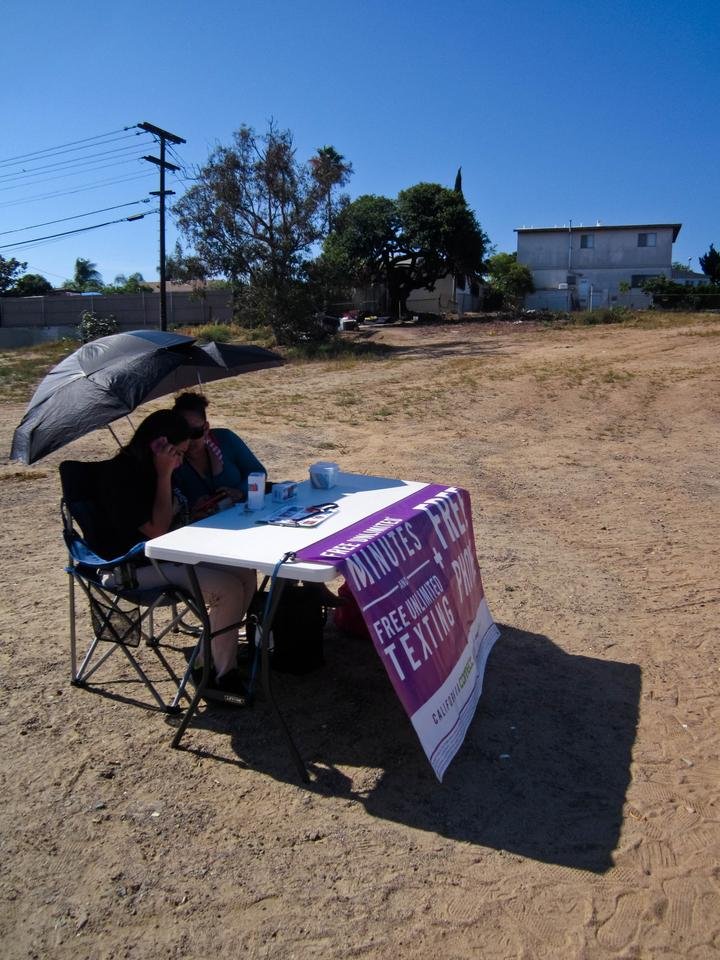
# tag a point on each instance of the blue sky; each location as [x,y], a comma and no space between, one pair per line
[565,110]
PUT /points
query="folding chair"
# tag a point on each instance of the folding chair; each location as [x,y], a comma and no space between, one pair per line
[122,616]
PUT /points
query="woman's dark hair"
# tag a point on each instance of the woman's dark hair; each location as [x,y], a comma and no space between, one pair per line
[162,423]
[191,403]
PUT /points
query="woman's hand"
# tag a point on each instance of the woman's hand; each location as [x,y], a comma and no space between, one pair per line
[236,495]
[166,456]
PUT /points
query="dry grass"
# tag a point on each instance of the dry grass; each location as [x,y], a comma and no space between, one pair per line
[579,819]
[22,367]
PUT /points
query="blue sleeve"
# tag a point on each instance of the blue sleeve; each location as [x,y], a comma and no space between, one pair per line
[238,459]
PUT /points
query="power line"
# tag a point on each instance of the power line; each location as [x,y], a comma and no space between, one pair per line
[36,269]
[176,156]
[49,154]
[67,193]
[34,153]
[58,153]
[71,173]
[68,233]
[91,168]
[77,216]
[185,171]
[74,161]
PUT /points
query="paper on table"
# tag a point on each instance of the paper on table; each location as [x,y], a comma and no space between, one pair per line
[294,516]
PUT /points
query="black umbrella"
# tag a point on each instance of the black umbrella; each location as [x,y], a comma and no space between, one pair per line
[108,378]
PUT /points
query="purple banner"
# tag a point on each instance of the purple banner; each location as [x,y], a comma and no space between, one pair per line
[413,571]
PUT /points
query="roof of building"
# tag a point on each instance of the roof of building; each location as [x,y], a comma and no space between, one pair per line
[688,275]
[174,286]
[675,227]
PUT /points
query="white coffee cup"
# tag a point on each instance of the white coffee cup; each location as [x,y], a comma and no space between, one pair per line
[324,474]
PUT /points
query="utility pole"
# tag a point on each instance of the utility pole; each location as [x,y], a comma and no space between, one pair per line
[163,136]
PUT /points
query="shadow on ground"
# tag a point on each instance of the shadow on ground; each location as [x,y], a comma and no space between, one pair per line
[543,771]
[449,348]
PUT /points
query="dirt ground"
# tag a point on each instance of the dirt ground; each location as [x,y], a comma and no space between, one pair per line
[580,819]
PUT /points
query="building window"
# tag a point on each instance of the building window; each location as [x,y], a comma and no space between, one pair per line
[638,279]
[647,239]
[587,241]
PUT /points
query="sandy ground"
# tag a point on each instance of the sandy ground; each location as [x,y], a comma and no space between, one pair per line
[580,819]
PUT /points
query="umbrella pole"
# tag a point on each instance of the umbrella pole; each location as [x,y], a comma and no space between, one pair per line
[115,435]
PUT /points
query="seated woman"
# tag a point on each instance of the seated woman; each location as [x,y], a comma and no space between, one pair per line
[216,460]
[138,503]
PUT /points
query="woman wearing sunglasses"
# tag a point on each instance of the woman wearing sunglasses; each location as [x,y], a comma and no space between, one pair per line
[216,461]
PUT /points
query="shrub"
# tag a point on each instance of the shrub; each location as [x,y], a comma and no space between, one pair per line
[224,332]
[493,299]
[679,296]
[607,315]
[219,332]
[92,326]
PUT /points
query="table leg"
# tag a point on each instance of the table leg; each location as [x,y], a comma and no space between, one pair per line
[277,589]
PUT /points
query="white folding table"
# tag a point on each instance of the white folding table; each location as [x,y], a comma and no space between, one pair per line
[240,538]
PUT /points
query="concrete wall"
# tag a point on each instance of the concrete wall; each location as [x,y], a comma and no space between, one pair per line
[132,311]
[614,258]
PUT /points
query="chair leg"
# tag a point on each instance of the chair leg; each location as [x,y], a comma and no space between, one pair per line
[181,691]
[73,634]
[104,607]
[83,677]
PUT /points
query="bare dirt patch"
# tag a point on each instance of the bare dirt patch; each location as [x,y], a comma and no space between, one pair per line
[581,817]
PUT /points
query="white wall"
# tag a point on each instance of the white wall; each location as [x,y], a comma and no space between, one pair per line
[614,258]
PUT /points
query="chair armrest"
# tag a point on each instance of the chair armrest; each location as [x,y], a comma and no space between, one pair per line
[81,553]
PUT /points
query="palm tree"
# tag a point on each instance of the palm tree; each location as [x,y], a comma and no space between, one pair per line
[329,171]
[87,276]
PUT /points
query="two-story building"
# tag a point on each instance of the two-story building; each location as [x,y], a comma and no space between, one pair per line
[582,268]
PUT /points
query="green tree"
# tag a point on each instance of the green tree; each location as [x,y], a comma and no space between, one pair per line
[681,269]
[409,243]
[31,285]
[330,171]
[184,268]
[135,283]
[9,269]
[710,264]
[86,277]
[510,278]
[252,216]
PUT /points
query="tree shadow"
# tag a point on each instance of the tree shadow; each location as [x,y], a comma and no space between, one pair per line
[449,348]
[543,771]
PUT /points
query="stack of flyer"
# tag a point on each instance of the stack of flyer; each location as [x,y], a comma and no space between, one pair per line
[309,516]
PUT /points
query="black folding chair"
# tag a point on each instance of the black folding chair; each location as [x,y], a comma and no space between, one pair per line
[122,616]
